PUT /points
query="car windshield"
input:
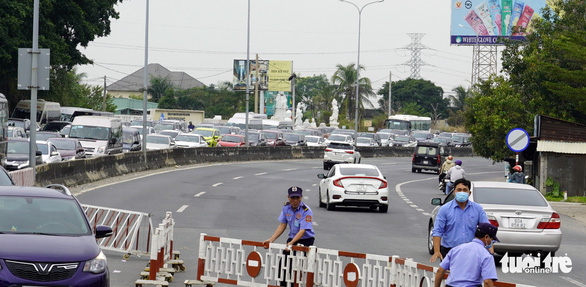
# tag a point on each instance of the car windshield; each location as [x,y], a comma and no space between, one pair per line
[25,215]
[420,135]
[204,133]
[311,139]
[366,136]
[349,170]
[340,145]
[43,147]
[292,137]
[169,133]
[224,130]
[270,135]
[187,138]
[89,132]
[163,126]
[253,137]
[158,140]
[508,196]
[232,139]
[402,139]
[363,140]
[18,147]
[45,136]
[63,144]
[127,137]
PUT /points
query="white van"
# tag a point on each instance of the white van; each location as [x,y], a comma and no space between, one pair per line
[98,135]
[46,111]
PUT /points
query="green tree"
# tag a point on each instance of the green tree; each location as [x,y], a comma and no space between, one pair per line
[415,97]
[312,91]
[345,80]
[64,26]
[160,87]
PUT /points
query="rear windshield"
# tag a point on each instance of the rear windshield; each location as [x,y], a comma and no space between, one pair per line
[426,150]
[358,171]
[339,145]
[508,196]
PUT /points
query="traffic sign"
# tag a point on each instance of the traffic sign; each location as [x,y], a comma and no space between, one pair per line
[518,139]
[351,275]
[253,264]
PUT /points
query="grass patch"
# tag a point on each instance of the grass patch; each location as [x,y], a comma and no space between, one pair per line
[577,199]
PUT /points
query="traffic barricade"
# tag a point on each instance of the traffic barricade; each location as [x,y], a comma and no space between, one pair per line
[248,263]
[23,177]
[131,230]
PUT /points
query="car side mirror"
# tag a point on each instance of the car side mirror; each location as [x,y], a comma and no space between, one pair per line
[321,175]
[103,231]
[38,153]
[436,201]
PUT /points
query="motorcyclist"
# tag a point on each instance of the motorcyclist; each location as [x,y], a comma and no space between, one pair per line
[455,173]
[518,176]
[445,167]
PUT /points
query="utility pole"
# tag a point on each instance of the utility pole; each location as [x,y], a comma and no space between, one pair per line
[256,87]
[104,96]
[390,76]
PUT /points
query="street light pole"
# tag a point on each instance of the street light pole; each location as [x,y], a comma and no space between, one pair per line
[358,59]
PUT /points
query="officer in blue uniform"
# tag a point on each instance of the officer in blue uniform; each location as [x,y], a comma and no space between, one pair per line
[299,217]
[471,264]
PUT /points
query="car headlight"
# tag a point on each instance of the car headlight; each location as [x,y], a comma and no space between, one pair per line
[101,149]
[96,265]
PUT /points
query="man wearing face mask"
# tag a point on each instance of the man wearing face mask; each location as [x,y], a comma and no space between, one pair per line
[456,221]
[471,264]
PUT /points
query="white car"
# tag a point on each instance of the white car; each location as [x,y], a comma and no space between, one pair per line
[340,138]
[385,138]
[50,153]
[364,141]
[354,185]
[190,140]
[172,133]
[155,142]
[315,141]
[340,152]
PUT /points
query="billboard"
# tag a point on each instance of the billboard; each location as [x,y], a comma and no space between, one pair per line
[279,73]
[239,71]
[272,105]
[486,22]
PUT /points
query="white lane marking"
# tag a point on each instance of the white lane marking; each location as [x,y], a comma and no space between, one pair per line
[308,189]
[238,177]
[427,214]
[315,223]
[414,206]
[577,283]
[420,210]
[260,173]
[199,194]
[216,184]
[314,184]
[182,208]
[289,169]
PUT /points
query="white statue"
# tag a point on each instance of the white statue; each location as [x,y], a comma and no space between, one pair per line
[280,107]
[312,123]
[334,117]
[299,116]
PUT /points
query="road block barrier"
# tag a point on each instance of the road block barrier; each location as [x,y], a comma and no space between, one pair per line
[23,177]
[248,263]
[131,230]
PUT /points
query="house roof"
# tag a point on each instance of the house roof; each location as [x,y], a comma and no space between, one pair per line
[561,147]
[131,104]
[135,81]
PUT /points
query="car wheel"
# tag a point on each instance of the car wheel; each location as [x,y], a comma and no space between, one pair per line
[383,208]
[325,166]
[359,160]
[321,204]
[329,205]
[413,170]
[430,239]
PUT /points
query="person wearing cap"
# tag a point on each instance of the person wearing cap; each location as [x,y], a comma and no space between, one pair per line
[454,173]
[299,217]
[471,264]
[456,220]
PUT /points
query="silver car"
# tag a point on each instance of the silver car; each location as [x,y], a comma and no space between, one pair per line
[340,152]
[527,223]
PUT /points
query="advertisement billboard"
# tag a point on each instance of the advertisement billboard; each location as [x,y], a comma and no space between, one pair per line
[486,22]
[239,72]
[272,105]
[279,73]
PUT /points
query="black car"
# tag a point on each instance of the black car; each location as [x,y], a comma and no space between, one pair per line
[428,156]
[293,139]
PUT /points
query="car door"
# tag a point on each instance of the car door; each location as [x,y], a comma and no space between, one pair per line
[54,155]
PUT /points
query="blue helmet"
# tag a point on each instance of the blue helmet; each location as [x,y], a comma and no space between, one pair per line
[458,162]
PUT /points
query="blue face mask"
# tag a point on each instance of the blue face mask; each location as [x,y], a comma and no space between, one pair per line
[461,196]
[490,245]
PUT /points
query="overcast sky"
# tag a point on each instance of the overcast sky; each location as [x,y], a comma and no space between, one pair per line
[202,38]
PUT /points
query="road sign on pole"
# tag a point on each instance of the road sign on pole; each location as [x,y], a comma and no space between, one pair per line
[517,140]
[25,59]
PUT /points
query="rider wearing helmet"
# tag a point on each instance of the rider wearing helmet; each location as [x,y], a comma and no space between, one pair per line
[518,176]
[445,167]
[455,173]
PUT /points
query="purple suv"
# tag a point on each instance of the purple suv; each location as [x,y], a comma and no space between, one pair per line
[46,240]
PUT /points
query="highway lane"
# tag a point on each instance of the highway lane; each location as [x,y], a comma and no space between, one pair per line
[243,200]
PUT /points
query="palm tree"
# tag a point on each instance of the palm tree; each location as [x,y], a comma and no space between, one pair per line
[345,80]
[459,99]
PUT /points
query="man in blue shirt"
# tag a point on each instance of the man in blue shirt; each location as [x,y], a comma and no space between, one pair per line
[456,221]
[471,264]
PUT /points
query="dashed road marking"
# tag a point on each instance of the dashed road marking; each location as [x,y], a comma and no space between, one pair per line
[238,177]
[182,208]
[216,184]
[289,169]
[575,282]
[199,194]
[260,173]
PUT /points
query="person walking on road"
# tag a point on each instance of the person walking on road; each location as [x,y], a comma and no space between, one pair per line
[455,173]
[471,264]
[299,217]
[456,221]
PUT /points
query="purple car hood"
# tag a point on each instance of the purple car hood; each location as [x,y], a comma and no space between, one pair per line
[46,248]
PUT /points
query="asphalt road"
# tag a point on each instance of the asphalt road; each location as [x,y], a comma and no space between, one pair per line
[243,200]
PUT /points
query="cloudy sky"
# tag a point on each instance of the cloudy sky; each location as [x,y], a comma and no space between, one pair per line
[202,38]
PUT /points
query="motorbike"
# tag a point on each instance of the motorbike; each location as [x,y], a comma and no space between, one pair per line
[443,182]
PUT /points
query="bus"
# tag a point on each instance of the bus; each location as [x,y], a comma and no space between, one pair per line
[409,123]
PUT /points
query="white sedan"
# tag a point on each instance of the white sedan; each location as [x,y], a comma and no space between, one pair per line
[190,140]
[155,142]
[353,185]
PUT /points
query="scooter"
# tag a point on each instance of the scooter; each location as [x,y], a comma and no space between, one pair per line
[443,182]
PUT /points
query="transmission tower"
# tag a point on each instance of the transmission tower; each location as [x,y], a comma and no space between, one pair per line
[484,63]
[415,47]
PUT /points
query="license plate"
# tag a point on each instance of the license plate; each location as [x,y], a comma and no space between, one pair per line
[518,223]
[360,187]
[425,162]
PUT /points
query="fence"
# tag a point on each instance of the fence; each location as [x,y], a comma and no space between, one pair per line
[23,177]
[248,263]
[131,229]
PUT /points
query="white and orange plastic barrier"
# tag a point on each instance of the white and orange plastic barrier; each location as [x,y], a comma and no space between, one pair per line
[249,263]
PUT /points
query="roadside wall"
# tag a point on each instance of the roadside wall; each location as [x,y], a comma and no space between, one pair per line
[82,171]
[566,169]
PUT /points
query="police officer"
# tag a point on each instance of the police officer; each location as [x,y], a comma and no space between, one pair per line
[299,217]
[471,264]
